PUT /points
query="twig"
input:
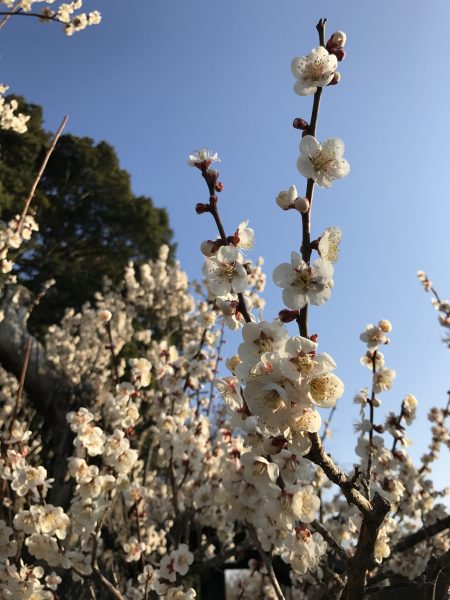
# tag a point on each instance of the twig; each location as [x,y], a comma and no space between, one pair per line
[327,424]
[267,562]
[216,368]
[6,18]
[327,536]
[41,16]
[419,536]
[41,170]
[302,319]
[318,456]
[113,354]
[371,417]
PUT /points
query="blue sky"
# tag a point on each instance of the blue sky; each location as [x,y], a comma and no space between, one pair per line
[160,78]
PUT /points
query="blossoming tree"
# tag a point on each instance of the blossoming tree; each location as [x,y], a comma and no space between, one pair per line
[122,476]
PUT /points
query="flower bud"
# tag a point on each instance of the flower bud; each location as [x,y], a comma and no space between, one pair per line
[339,53]
[207,248]
[286,199]
[201,208]
[219,186]
[104,316]
[300,124]
[233,239]
[302,204]
[232,362]
[287,316]
[376,402]
[338,39]
[385,325]
[274,444]
[336,78]
[226,308]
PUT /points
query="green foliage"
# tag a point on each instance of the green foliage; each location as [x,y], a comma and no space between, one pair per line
[91,224]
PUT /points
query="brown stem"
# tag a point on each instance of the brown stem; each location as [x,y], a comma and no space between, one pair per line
[43,165]
[364,554]
[216,368]
[340,551]
[44,17]
[397,424]
[318,456]
[113,354]
[268,564]
[423,534]
[216,216]
[371,417]
[302,319]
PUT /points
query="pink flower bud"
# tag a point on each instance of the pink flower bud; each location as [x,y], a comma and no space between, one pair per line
[201,208]
[286,316]
[275,444]
[336,79]
[219,186]
[300,124]
[340,54]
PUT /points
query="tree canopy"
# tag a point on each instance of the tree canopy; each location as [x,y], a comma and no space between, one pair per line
[90,221]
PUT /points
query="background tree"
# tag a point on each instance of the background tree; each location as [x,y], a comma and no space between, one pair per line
[91,223]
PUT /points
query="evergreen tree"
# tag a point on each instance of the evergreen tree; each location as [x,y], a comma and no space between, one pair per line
[90,222]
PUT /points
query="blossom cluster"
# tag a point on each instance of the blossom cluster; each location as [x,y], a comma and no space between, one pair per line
[9,119]
[66,13]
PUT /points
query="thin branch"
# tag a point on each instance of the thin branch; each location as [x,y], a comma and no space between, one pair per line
[371,403]
[268,564]
[302,319]
[41,16]
[111,347]
[42,168]
[318,456]
[6,18]
[327,536]
[423,534]
[216,368]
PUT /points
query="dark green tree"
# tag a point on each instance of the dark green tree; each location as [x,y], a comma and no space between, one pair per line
[90,222]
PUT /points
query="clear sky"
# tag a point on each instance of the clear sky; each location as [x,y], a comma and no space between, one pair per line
[159,78]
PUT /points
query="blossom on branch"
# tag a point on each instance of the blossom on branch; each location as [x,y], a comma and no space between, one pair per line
[303,284]
[323,163]
[315,70]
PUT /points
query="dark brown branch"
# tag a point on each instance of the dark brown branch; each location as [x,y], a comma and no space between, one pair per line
[302,319]
[318,456]
[423,534]
[42,16]
[340,551]
[364,554]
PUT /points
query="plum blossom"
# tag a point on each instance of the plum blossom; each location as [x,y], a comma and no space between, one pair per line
[303,284]
[182,559]
[224,272]
[202,158]
[315,70]
[329,244]
[322,162]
